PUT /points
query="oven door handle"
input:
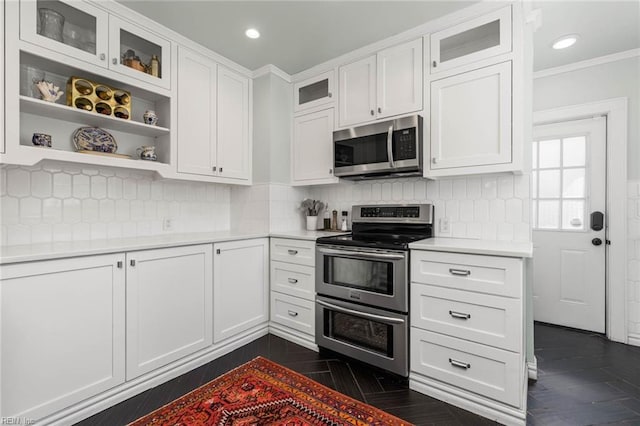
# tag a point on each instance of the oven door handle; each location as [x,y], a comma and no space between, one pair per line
[361,314]
[362,254]
[390,146]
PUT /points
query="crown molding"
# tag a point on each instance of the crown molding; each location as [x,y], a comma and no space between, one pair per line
[587,63]
[271,69]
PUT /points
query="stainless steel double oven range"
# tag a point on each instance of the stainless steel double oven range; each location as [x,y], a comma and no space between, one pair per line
[362,284]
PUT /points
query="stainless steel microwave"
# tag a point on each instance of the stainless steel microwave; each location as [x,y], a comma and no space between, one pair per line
[383,149]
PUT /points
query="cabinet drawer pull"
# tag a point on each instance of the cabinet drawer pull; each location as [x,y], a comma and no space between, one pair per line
[459,315]
[459,364]
[293,281]
[292,313]
[292,252]
[460,272]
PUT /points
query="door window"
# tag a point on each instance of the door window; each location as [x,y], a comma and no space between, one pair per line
[558,183]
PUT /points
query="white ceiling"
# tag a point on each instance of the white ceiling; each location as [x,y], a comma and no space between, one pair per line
[297,35]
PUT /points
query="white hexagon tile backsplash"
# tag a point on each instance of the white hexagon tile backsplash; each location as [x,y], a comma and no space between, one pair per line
[50,202]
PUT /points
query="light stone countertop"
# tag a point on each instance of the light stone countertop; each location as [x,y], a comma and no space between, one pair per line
[469,246]
[46,251]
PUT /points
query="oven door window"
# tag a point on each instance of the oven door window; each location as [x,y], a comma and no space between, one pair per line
[370,275]
[361,332]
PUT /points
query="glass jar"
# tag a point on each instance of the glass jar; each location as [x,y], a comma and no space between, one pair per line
[51,24]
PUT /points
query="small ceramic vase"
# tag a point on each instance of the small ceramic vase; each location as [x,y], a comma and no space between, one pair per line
[150,117]
[147,152]
[40,139]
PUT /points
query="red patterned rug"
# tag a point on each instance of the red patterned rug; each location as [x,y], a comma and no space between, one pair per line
[262,392]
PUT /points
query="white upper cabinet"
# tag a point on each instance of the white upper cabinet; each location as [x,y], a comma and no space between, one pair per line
[399,88]
[234,150]
[312,148]
[127,40]
[196,114]
[386,84]
[83,31]
[213,126]
[86,28]
[313,92]
[471,120]
[471,41]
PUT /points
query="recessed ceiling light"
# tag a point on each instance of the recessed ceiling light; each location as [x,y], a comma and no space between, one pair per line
[565,41]
[252,33]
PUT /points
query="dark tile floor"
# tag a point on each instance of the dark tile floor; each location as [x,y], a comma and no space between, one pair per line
[583,379]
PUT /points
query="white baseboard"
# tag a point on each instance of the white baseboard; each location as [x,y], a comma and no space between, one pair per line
[634,339]
[532,369]
[468,401]
[100,402]
[294,336]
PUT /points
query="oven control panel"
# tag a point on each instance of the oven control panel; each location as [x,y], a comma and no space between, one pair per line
[400,213]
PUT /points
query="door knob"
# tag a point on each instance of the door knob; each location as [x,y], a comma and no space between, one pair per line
[596,241]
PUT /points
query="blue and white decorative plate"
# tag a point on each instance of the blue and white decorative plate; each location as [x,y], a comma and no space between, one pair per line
[94,139]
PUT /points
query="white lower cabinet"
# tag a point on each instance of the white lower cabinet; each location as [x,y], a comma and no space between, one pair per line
[467,332]
[62,333]
[293,276]
[240,287]
[169,305]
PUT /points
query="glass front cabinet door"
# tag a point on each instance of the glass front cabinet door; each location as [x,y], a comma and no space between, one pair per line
[73,28]
[471,41]
[139,53]
[313,92]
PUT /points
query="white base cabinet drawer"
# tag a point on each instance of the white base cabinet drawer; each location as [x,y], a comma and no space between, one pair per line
[293,312]
[300,252]
[487,319]
[293,279]
[481,369]
[501,276]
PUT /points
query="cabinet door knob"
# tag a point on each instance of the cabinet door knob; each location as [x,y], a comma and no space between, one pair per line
[434,160]
[330,95]
[373,112]
[132,262]
[103,56]
[379,110]
[115,61]
[214,168]
[217,251]
[220,169]
[330,171]
[119,264]
[435,64]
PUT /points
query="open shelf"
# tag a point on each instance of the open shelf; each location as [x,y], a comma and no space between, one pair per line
[67,113]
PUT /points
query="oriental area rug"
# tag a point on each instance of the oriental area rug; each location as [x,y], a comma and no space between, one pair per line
[262,392]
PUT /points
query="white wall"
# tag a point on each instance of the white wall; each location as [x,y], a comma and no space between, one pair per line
[56,202]
[597,83]
[606,81]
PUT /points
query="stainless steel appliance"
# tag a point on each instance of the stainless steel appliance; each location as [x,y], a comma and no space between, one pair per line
[362,284]
[383,149]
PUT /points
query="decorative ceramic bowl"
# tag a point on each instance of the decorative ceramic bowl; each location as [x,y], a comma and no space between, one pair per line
[94,139]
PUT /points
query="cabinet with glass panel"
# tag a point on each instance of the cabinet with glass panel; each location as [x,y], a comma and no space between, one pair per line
[84,31]
[107,72]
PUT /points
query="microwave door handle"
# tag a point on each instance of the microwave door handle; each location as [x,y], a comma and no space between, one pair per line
[390,146]
[374,317]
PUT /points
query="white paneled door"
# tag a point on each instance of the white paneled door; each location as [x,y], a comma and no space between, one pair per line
[569,226]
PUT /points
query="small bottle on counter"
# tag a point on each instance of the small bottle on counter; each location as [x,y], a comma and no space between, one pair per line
[327,220]
[344,226]
[334,220]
